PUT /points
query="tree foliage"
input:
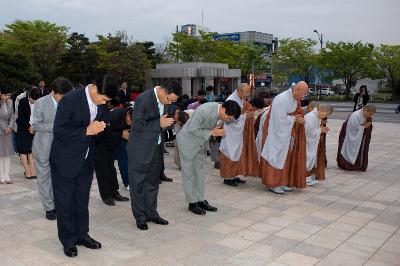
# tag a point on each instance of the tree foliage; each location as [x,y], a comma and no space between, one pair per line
[347,61]
[295,57]
[387,63]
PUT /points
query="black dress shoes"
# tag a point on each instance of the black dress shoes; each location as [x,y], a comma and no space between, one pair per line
[109,201]
[142,225]
[217,165]
[231,182]
[207,207]
[195,208]
[159,220]
[51,215]
[239,181]
[166,179]
[71,251]
[118,197]
[89,243]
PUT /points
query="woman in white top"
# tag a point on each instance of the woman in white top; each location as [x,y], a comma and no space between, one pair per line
[6,125]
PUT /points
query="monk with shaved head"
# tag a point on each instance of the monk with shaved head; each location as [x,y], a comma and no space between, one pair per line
[354,139]
[238,151]
[279,136]
[314,131]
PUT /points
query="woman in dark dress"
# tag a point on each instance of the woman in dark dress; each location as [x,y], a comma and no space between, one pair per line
[361,99]
[25,132]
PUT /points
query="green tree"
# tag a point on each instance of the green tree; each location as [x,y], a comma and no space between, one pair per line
[40,42]
[122,58]
[15,70]
[347,61]
[387,62]
[295,57]
[78,63]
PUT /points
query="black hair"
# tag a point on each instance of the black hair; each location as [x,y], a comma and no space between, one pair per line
[365,89]
[183,117]
[129,111]
[232,108]
[172,86]
[107,85]
[5,89]
[61,85]
[210,88]
[258,102]
[201,92]
[127,105]
[34,93]
[203,101]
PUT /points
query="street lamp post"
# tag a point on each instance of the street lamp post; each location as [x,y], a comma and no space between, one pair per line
[321,42]
[320,38]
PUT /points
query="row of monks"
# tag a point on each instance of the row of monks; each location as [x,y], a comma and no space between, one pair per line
[284,144]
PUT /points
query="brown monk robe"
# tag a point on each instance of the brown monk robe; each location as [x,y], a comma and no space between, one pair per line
[271,177]
[361,120]
[275,160]
[322,162]
[248,162]
[297,156]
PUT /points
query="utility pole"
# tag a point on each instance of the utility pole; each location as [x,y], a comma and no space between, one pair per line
[202,18]
[321,42]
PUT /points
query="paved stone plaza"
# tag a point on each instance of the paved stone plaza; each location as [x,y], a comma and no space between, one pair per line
[350,219]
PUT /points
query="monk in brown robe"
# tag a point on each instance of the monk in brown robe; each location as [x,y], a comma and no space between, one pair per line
[247,165]
[322,162]
[354,140]
[282,139]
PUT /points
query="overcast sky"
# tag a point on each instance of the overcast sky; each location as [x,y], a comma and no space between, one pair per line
[376,21]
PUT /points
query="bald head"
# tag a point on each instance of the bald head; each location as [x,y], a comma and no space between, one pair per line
[300,90]
[311,106]
[244,90]
[324,110]
[369,110]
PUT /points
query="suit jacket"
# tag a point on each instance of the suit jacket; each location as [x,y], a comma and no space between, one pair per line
[197,131]
[70,143]
[24,115]
[112,136]
[145,128]
[43,122]
[45,92]
[6,117]
[124,97]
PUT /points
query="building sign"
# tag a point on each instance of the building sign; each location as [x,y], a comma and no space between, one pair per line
[235,37]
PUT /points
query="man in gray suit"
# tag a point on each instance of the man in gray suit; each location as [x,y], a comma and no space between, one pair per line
[43,121]
[192,141]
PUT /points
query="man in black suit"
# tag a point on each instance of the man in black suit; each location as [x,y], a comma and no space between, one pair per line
[42,89]
[123,93]
[145,150]
[76,124]
[118,124]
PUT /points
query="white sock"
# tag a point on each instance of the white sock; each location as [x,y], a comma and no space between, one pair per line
[6,164]
[2,170]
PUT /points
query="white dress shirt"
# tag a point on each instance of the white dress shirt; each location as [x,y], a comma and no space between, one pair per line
[92,110]
[160,109]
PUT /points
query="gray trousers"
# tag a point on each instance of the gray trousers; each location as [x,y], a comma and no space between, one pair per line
[144,181]
[45,186]
[193,176]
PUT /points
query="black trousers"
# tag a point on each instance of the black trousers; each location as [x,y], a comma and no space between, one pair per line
[106,173]
[71,198]
[144,181]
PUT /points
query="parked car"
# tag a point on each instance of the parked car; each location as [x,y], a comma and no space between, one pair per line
[312,92]
[327,92]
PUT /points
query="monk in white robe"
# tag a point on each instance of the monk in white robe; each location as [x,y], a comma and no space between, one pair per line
[314,129]
[354,140]
[277,138]
[238,153]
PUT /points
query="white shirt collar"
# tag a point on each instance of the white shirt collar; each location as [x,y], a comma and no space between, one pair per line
[89,99]
[54,100]
[155,92]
